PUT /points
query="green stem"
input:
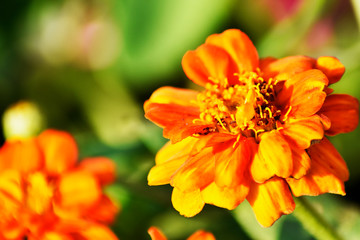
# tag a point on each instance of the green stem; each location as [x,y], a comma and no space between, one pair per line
[313,222]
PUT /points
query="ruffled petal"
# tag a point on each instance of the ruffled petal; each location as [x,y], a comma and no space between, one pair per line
[177,121]
[78,190]
[60,151]
[287,67]
[326,154]
[23,155]
[331,67]
[274,158]
[104,169]
[209,64]
[225,197]
[270,200]
[301,163]
[11,193]
[156,234]
[239,46]
[171,157]
[201,235]
[196,173]
[303,93]
[343,112]
[304,130]
[231,163]
[187,203]
[327,174]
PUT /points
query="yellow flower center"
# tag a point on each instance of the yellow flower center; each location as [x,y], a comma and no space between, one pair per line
[247,108]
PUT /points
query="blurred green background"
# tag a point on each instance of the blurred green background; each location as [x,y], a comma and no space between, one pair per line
[88,66]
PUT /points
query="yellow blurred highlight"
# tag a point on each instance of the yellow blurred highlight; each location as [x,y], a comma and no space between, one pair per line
[22,120]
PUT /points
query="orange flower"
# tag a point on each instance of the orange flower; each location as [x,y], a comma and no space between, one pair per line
[45,194]
[255,130]
[156,234]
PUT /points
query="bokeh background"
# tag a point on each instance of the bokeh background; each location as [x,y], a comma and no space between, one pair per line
[87,66]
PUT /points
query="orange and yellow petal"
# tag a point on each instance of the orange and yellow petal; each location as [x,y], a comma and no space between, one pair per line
[273,157]
[187,203]
[172,95]
[201,235]
[60,151]
[287,67]
[156,234]
[343,112]
[301,163]
[270,200]
[225,197]
[209,64]
[104,211]
[78,190]
[104,169]
[177,120]
[303,130]
[311,84]
[97,232]
[23,155]
[331,67]
[53,236]
[196,173]
[231,163]
[239,46]
[327,174]
[171,157]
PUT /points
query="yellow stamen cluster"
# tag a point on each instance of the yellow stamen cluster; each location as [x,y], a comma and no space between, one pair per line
[245,108]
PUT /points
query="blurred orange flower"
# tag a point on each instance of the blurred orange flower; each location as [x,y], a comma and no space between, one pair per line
[156,234]
[45,194]
[254,131]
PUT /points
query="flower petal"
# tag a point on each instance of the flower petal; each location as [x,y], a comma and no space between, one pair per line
[343,112]
[331,67]
[187,203]
[54,236]
[201,235]
[231,163]
[97,232]
[78,189]
[209,64]
[60,151]
[23,155]
[156,234]
[285,68]
[302,131]
[304,93]
[177,121]
[104,169]
[196,173]
[327,174]
[172,95]
[239,46]
[270,200]
[274,158]
[104,211]
[225,197]
[301,161]
[171,157]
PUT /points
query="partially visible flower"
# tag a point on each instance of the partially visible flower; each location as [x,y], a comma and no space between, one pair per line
[46,194]
[255,130]
[156,234]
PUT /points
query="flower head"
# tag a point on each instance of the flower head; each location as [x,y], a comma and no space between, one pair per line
[156,234]
[255,130]
[45,194]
